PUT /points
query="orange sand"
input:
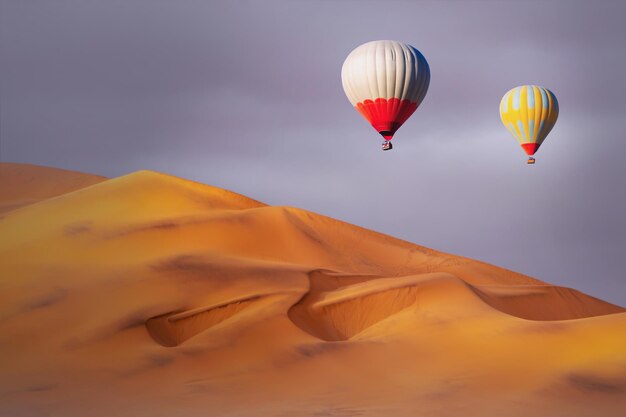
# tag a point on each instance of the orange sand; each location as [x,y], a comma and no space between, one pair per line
[149,295]
[22,184]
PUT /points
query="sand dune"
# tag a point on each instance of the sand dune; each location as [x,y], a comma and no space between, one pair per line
[23,184]
[172,329]
[340,318]
[153,295]
[544,302]
[338,307]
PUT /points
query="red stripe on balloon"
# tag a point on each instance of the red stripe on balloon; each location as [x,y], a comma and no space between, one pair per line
[386,115]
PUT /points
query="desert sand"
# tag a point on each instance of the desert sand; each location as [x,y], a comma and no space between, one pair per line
[23,184]
[150,295]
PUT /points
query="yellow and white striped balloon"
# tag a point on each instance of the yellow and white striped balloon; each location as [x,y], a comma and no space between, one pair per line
[529,112]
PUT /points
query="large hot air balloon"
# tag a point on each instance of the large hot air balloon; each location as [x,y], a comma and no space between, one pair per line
[529,112]
[385,81]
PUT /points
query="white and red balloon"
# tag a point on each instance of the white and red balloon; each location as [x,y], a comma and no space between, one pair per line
[385,81]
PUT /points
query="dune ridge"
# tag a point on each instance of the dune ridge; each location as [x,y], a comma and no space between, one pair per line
[172,329]
[24,184]
[544,303]
[339,306]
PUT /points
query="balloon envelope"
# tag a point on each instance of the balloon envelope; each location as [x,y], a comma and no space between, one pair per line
[529,112]
[385,81]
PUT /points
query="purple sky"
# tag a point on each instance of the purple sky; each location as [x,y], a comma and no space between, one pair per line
[247,96]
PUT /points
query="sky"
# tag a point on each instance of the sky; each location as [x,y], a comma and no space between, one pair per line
[247,95]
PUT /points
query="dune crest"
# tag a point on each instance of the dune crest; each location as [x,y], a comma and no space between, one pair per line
[174,328]
[24,184]
[541,302]
[339,306]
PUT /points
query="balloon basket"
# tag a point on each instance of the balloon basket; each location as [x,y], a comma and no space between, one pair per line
[531,160]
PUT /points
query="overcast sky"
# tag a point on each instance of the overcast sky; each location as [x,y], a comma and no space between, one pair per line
[247,96]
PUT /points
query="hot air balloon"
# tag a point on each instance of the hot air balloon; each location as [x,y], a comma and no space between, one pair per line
[385,81]
[529,112]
